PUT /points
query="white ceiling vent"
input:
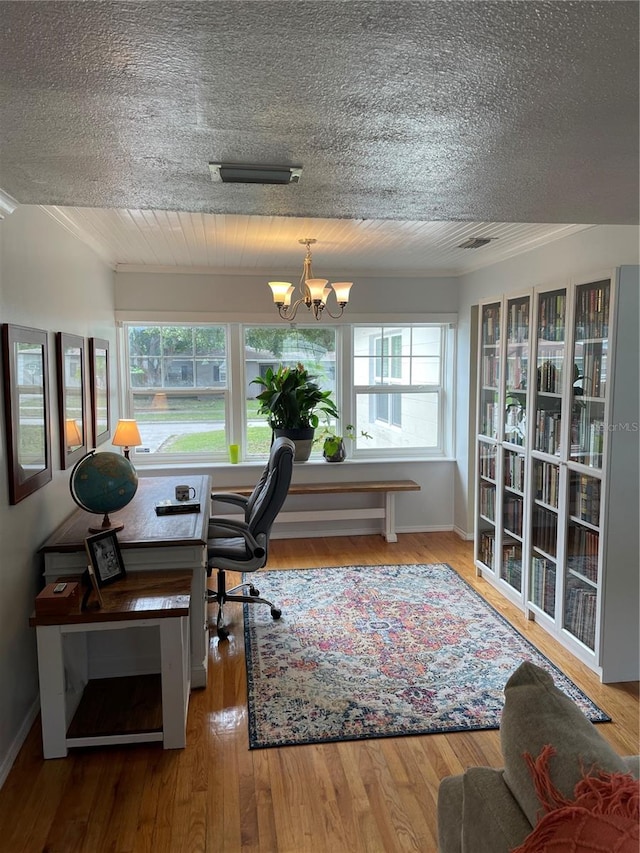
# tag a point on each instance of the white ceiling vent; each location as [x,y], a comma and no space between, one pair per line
[475,242]
[241,173]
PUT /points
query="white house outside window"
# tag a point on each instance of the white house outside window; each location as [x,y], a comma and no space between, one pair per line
[398,387]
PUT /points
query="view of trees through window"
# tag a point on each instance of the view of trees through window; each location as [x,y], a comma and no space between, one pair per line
[313,347]
[179,382]
[180,385]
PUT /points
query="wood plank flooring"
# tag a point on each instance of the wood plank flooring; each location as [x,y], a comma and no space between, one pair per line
[376,796]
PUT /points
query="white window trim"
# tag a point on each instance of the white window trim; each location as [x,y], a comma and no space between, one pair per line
[235,410]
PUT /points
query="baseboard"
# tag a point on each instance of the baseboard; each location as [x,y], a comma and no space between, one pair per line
[468,537]
[354,531]
[18,741]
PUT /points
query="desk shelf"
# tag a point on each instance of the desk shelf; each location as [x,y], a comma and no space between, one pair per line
[113,707]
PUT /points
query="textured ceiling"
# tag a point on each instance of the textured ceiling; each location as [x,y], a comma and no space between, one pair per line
[521,112]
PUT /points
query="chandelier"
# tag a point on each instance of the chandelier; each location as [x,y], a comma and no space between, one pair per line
[314,291]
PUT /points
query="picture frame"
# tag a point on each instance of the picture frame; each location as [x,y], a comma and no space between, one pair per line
[92,586]
[72,409]
[105,557]
[99,368]
[25,360]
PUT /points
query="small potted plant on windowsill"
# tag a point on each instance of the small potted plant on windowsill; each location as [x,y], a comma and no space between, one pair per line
[333,446]
[293,402]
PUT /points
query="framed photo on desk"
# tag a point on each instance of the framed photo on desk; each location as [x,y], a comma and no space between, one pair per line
[103,550]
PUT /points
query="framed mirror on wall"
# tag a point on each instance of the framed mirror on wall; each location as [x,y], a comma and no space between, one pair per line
[25,360]
[99,373]
[71,369]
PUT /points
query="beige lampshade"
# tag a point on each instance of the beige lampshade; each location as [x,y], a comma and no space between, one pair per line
[280,289]
[317,288]
[341,290]
[72,433]
[126,434]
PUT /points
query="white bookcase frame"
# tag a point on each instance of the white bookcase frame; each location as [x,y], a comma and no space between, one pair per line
[612,649]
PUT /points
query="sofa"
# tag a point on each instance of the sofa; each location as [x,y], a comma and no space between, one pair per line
[485,810]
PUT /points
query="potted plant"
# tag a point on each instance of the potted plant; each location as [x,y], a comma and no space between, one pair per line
[333,446]
[293,402]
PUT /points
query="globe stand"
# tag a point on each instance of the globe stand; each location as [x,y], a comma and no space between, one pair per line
[107,525]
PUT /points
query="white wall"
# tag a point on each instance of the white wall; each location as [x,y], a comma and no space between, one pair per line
[50,281]
[595,250]
[243,296]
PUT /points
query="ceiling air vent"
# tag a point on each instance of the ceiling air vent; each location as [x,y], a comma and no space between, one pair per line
[475,242]
[241,173]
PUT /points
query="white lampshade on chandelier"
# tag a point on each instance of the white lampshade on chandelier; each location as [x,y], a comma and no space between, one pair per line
[314,292]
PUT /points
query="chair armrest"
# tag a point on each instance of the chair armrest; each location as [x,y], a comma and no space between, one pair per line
[237,528]
[230,498]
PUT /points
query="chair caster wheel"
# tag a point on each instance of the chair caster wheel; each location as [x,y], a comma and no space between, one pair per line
[253,590]
[223,634]
[276,613]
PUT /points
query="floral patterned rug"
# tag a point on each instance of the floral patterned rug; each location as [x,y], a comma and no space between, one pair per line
[379,651]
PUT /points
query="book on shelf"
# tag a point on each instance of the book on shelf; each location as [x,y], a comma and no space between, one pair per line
[543,586]
[580,614]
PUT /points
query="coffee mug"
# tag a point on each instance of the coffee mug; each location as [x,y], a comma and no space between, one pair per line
[185,493]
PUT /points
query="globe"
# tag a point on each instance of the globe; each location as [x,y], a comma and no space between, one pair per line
[103,483]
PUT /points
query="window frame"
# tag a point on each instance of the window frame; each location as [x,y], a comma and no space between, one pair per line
[346,392]
[390,387]
[129,393]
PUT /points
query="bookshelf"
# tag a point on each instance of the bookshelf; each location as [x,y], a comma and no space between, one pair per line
[557,462]
[502,434]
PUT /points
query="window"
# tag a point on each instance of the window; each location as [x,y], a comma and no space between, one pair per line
[398,388]
[182,383]
[178,389]
[271,346]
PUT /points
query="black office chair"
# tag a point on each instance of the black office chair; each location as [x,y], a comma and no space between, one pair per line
[243,546]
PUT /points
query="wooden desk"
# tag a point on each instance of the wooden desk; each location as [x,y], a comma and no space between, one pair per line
[149,543]
[79,711]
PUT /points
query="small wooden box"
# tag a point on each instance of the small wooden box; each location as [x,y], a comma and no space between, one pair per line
[49,602]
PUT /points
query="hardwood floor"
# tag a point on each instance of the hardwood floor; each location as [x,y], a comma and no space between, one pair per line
[376,796]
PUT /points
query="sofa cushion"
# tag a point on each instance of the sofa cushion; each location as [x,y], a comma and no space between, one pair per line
[536,713]
[492,821]
[450,815]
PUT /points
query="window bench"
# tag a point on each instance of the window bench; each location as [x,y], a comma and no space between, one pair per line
[386,488]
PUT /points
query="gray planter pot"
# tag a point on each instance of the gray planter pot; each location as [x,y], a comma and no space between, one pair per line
[302,438]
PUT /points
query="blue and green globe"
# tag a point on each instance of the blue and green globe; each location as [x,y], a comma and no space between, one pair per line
[103,482]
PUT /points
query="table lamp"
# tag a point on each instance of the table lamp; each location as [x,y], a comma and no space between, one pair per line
[72,434]
[126,435]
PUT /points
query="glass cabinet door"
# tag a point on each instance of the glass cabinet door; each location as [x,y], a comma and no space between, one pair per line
[512,518]
[550,353]
[489,411]
[516,373]
[546,491]
[583,542]
[487,486]
[589,381]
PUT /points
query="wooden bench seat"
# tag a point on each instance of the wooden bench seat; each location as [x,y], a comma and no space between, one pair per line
[387,488]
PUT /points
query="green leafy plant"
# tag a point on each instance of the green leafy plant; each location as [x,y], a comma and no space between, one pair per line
[331,442]
[292,399]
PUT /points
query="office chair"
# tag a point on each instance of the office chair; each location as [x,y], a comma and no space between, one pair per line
[243,546]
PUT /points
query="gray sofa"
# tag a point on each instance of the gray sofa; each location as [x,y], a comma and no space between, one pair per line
[492,811]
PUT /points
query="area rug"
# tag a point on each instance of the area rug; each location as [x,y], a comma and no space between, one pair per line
[380,651]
